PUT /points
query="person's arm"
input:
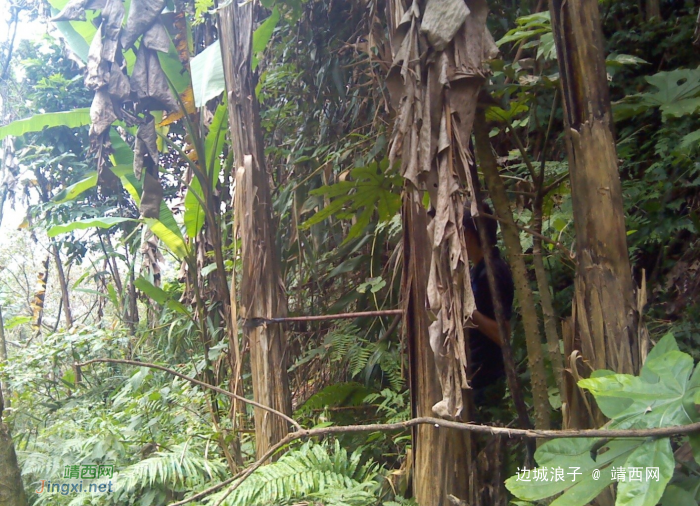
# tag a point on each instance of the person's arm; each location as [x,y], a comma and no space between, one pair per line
[489,327]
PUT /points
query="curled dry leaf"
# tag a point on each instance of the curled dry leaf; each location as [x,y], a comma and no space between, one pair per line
[146,168]
[119,88]
[97,74]
[156,38]
[149,83]
[441,21]
[101,113]
[142,14]
[112,18]
[434,82]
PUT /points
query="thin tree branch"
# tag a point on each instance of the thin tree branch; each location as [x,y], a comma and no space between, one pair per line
[256,322]
[192,380]
[438,422]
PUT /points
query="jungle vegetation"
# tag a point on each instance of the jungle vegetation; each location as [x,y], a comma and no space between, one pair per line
[177,176]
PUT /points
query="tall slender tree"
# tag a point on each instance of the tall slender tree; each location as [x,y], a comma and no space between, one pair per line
[606,317]
[262,295]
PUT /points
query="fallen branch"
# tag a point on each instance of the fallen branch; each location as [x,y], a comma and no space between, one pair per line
[257,322]
[194,381]
[448,424]
[302,433]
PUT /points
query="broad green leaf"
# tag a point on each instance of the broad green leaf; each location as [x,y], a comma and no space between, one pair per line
[169,234]
[76,189]
[71,119]
[105,222]
[160,296]
[690,139]
[495,113]
[677,496]
[645,491]
[77,34]
[571,456]
[677,92]
[207,70]
[666,343]
[125,173]
[194,212]
[662,396]
[123,154]
[214,141]
[263,34]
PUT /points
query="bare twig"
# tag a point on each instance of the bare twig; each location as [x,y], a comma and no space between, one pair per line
[195,381]
[438,422]
[255,322]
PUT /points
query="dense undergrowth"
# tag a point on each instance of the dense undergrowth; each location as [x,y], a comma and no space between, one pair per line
[326,119]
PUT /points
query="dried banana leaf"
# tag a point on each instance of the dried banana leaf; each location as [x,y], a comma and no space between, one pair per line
[157,38]
[97,74]
[146,168]
[149,83]
[441,21]
[112,18]
[142,14]
[101,113]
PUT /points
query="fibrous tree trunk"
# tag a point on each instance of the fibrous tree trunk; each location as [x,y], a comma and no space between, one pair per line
[441,457]
[11,487]
[262,294]
[606,319]
[438,49]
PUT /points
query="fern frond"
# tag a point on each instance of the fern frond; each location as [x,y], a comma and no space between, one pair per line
[312,472]
[180,468]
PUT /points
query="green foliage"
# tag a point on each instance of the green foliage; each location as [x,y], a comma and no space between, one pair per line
[313,472]
[664,394]
[106,222]
[180,469]
[70,119]
[371,187]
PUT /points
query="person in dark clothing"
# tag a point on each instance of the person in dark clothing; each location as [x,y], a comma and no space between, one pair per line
[485,343]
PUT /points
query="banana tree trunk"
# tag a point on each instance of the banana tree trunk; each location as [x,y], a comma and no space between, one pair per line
[11,488]
[441,457]
[606,319]
[261,293]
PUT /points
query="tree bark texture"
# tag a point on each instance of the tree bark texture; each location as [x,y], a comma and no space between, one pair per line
[262,294]
[65,294]
[441,457]
[11,487]
[605,312]
[514,250]
[438,49]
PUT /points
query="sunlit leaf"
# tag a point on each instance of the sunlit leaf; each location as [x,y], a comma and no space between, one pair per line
[105,222]
[71,119]
[72,191]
